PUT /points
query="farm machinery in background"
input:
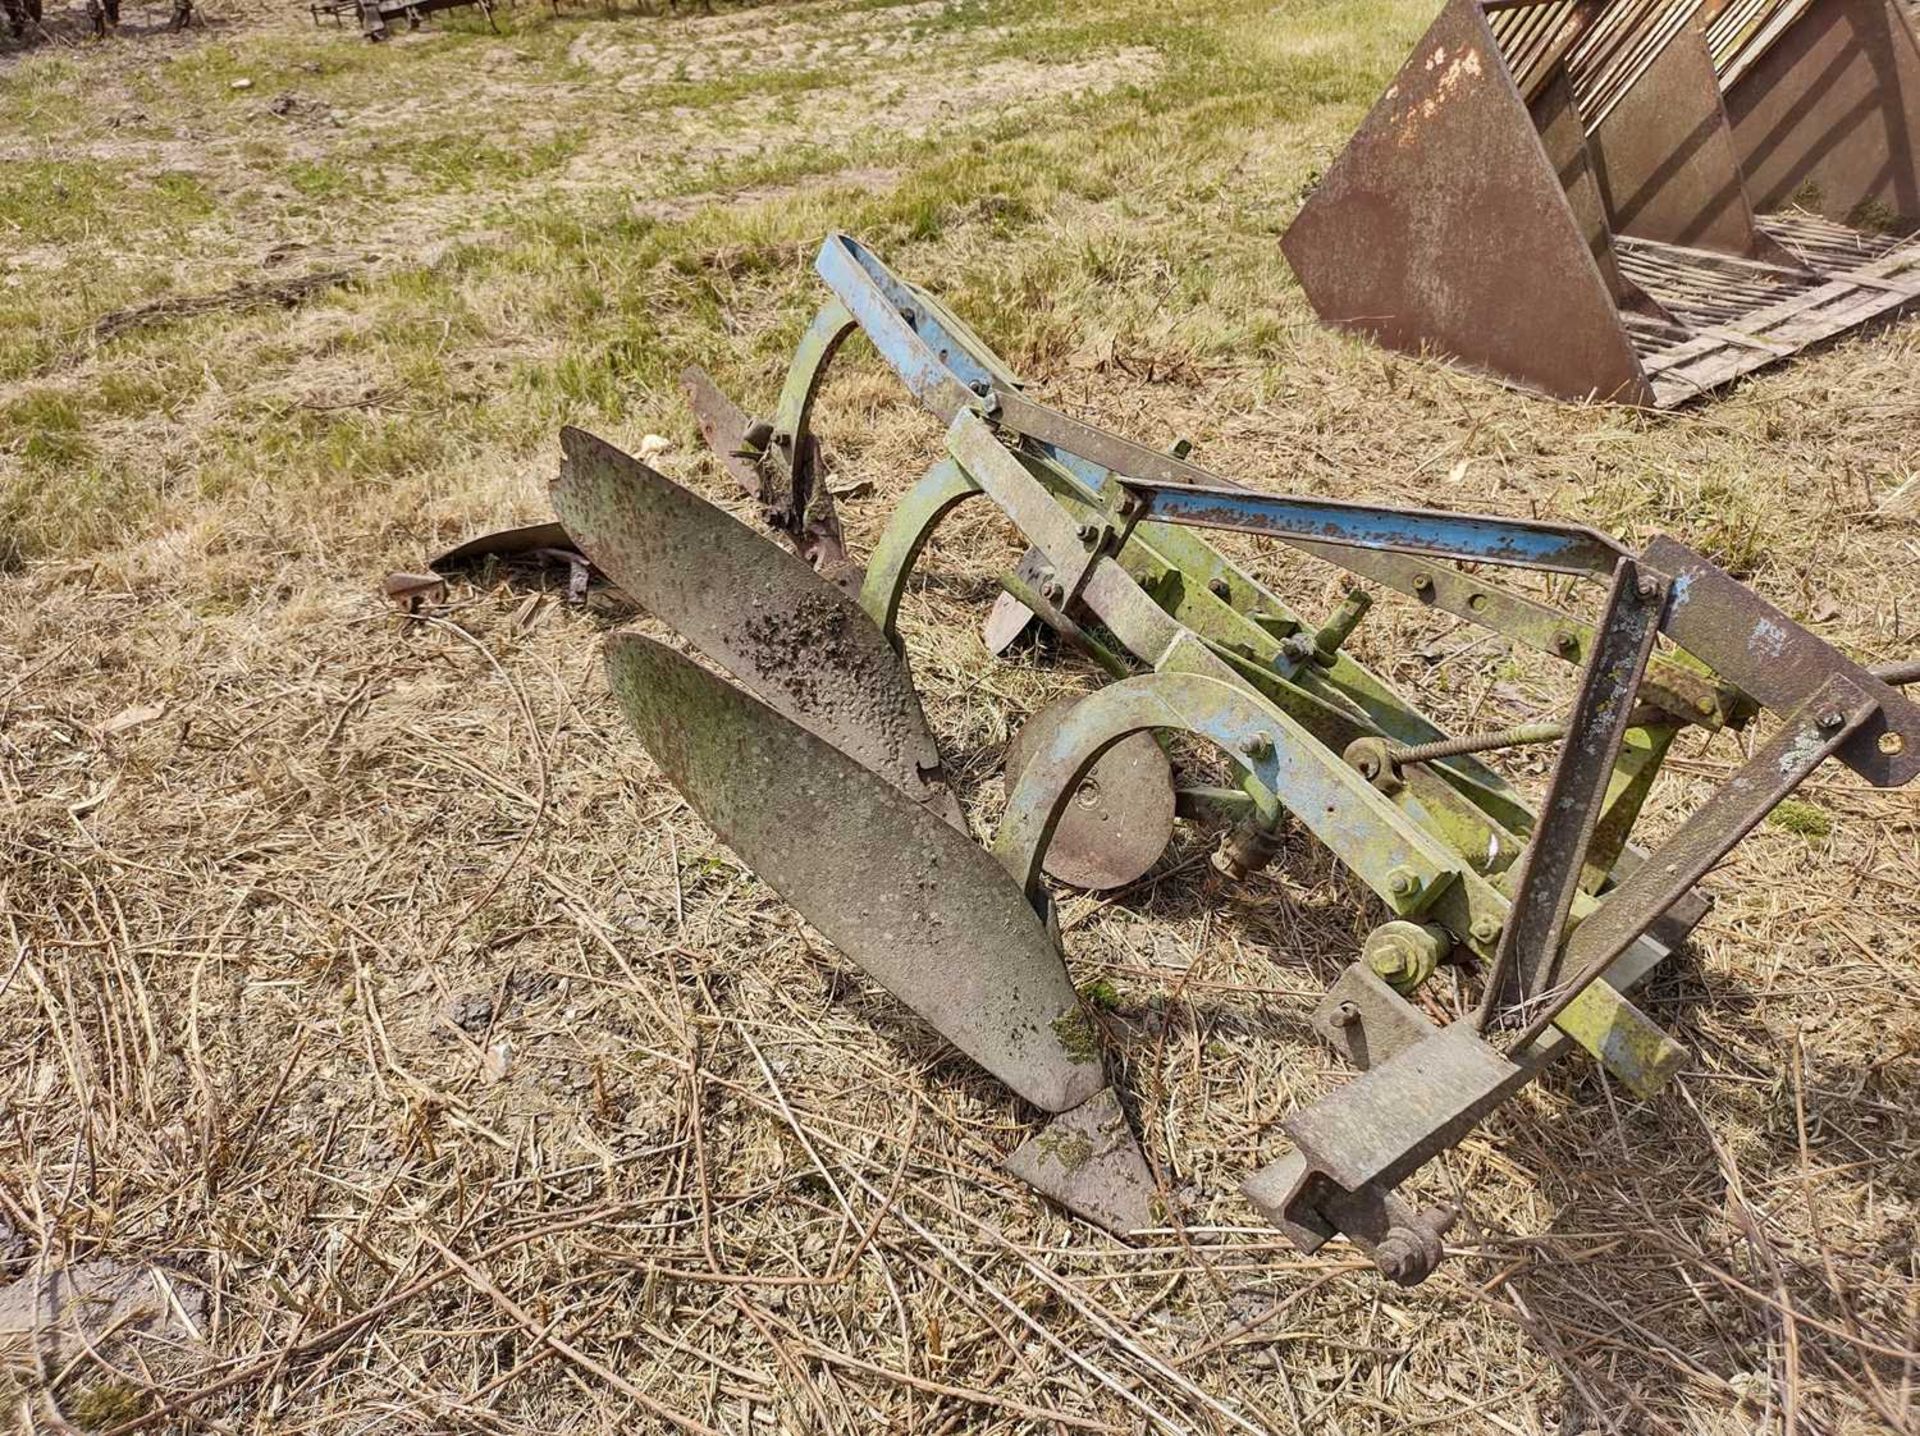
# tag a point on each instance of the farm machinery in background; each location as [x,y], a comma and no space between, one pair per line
[26,18]
[1630,200]
[816,765]
[377,17]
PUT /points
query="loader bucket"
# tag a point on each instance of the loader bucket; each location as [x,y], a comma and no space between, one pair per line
[1627,200]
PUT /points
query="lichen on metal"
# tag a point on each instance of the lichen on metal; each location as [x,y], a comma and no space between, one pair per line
[826,780]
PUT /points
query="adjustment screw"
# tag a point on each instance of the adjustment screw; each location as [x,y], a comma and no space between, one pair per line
[1423,583]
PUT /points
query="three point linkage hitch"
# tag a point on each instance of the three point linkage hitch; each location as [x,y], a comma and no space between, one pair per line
[819,770]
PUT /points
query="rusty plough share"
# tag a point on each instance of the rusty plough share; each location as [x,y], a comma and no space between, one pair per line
[1637,200]
[819,769]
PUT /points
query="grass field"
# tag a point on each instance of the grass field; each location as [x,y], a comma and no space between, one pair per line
[360,971]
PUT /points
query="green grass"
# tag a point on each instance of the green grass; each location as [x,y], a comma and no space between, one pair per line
[1796,815]
[1145,215]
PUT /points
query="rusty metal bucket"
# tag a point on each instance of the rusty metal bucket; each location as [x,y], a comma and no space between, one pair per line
[1628,200]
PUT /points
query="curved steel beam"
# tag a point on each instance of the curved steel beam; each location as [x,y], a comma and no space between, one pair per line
[811,356]
[1278,756]
[913,522]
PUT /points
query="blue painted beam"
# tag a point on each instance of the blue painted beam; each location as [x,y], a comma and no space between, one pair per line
[1476,538]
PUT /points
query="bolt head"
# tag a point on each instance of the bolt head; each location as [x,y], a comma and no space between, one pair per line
[1832,718]
[1705,705]
[1088,532]
[1345,1015]
[1647,586]
[1566,640]
[1423,583]
[1404,882]
[1392,963]
[1891,743]
[1486,929]
[1398,1258]
[1218,588]
[1260,745]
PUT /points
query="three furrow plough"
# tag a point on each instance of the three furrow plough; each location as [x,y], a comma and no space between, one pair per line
[818,767]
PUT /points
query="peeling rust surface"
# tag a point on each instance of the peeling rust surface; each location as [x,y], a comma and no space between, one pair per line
[793,639]
[918,906]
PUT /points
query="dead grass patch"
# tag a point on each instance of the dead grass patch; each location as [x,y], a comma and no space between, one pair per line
[360,972]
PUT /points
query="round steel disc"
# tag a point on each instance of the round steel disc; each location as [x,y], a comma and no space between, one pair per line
[1120,820]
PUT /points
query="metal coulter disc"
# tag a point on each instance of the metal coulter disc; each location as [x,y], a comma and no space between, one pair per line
[1120,819]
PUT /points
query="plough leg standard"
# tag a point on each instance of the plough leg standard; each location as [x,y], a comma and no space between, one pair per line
[819,770]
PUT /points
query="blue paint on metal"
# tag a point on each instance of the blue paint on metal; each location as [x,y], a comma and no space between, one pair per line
[1090,476]
[944,368]
[1557,548]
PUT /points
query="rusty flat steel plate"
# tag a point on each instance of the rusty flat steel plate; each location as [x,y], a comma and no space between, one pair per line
[1121,816]
[1011,618]
[504,544]
[723,424]
[1749,642]
[1089,1161]
[927,914]
[761,613]
[1528,960]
